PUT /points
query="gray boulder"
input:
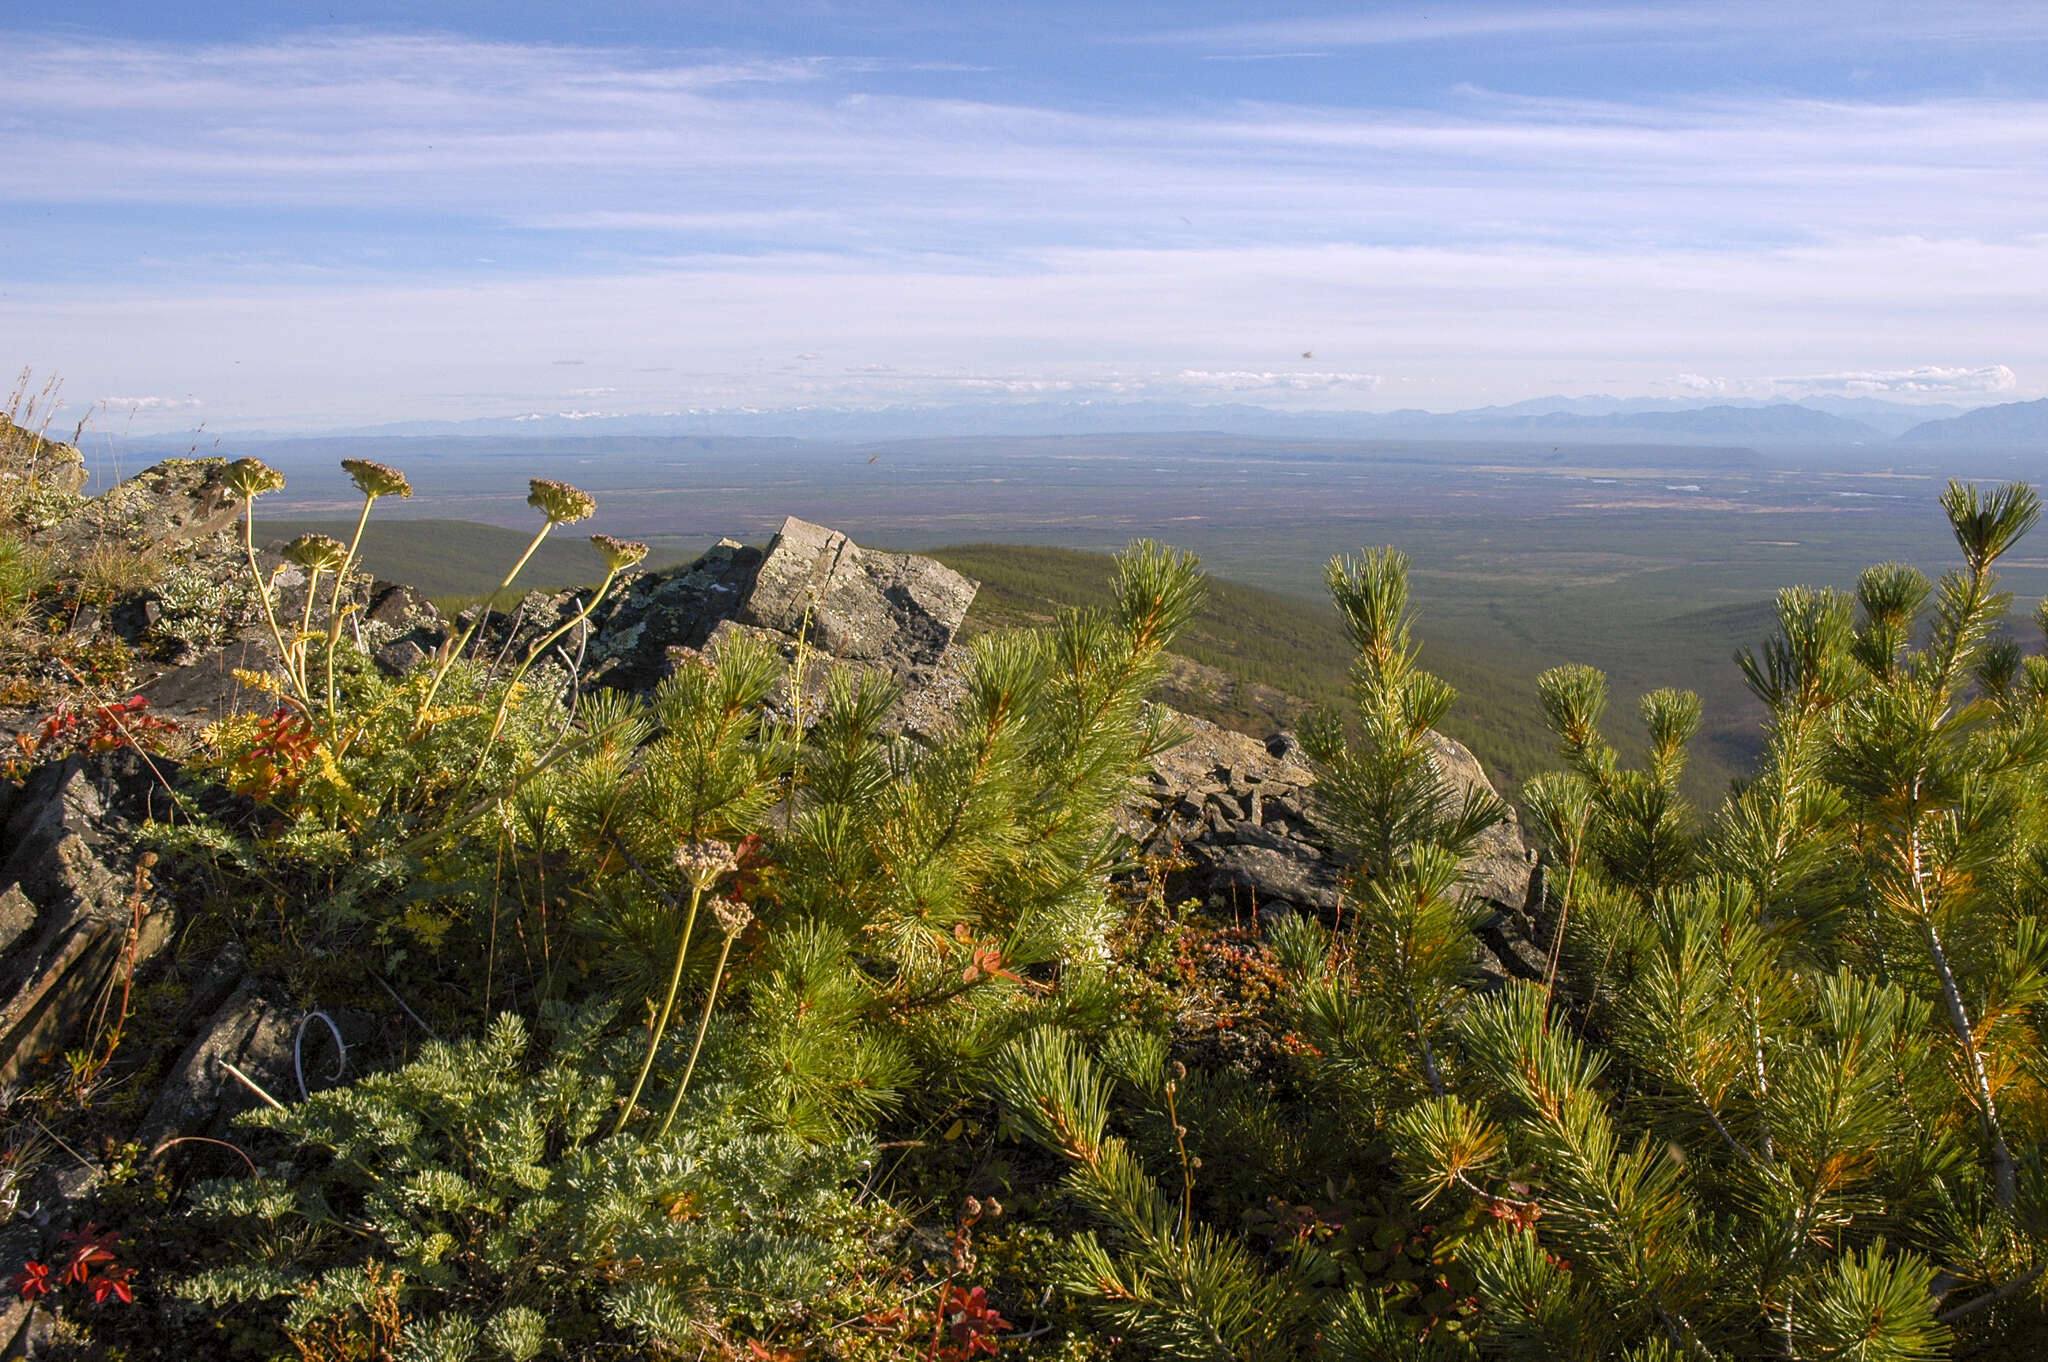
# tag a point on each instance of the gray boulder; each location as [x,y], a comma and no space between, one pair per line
[894,611]
[1500,865]
[1236,817]
[894,608]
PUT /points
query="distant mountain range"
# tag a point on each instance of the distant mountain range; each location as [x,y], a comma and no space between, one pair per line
[2010,424]
[1782,423]
[1812,422]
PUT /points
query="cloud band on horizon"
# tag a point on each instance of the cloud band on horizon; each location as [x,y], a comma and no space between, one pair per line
[716,215]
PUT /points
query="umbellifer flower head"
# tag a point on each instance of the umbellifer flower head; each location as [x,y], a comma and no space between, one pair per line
[619,554]
[733,916]
[703,862]
[559,502]
[252,478]
[317,552]
[374,479]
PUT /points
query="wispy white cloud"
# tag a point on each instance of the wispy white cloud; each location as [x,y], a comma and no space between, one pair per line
[1987,380]
[1445,326]
[684,225]
[594,142]
[1390,26]
[1838,22]
[150,404]
[1269,381]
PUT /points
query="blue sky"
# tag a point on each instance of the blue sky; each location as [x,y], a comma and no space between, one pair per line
[289,215]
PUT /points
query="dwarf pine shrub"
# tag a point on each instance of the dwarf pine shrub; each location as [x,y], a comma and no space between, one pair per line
[806,936]
[765,1019]
[1780,1093]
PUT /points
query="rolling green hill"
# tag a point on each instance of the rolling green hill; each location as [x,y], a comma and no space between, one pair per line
[461,557]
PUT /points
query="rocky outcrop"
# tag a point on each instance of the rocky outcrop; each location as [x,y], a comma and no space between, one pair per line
[893,611]
[76,899]
[893,608]
[166,505]
[635,636]
[37,473]
[1235,818]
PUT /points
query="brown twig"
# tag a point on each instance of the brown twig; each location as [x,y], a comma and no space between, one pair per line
[205,1139]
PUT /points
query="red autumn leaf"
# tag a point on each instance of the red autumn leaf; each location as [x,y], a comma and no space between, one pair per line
[89,1248]
[32,1281]
[970,1321]
[115,1282]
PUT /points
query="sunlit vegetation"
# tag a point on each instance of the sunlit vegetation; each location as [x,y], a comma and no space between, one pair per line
[703,1034]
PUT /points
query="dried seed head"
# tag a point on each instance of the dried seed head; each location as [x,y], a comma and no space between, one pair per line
[733,916]
[703,862]
[619,554]
[317,552]
[252,478]
[559,502]
[376,479]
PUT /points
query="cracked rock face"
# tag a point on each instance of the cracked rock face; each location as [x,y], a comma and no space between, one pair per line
[655,612]
[894,608]
[174,502]
[69,896]
[896,611]
[1240,818]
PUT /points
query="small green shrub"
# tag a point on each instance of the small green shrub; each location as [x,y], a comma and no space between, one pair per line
[197,607]
[478,1179]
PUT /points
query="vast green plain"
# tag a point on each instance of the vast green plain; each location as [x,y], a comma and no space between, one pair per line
[1654,563]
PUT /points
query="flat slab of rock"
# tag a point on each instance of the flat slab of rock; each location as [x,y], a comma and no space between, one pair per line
[205,688]
[894,608]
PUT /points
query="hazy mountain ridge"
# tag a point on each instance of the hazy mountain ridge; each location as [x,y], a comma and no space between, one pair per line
[1784,421]
[1816,420]
[2010,423]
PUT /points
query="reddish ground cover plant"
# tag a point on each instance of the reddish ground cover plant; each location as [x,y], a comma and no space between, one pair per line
[92,728]
[89,1265]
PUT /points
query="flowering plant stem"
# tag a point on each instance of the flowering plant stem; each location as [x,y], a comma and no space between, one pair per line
[534,653]
[703,1025]
[675,981]
[334,600]
[263,591]
[305,633]
[483,609]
